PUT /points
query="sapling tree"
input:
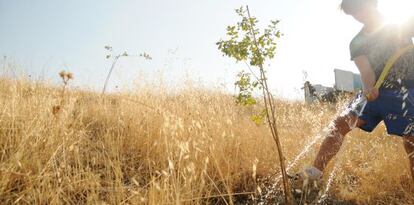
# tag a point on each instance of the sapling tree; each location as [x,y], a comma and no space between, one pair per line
[115,58]
[246,43]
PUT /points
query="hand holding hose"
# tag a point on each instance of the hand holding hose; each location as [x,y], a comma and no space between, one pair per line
[371,94]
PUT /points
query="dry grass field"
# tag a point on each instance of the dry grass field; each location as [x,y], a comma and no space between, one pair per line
[195,146]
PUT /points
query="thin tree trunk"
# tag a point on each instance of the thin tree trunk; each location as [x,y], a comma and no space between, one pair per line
[270,113]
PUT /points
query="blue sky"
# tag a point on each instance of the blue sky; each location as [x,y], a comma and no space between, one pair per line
[46,36]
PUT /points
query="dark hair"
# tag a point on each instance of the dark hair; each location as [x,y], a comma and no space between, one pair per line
[350,6]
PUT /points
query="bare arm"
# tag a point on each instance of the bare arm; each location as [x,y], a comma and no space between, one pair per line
[367,76]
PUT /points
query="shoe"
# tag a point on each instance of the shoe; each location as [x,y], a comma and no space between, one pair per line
[306,184]
[311,173]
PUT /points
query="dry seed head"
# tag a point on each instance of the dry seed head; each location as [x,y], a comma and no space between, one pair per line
[146,56]
[69,76]
[56,109]
[66,76]
[109,48]
[62,74]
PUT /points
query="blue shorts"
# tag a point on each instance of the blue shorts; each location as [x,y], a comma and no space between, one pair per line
[395,107]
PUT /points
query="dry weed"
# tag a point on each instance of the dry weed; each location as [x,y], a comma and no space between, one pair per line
[192,147]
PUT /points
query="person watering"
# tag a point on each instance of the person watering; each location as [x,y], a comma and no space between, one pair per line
[393,102]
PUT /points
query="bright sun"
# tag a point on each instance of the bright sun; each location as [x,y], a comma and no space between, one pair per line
[396,11]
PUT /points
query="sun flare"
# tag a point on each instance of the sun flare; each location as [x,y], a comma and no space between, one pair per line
[396,11]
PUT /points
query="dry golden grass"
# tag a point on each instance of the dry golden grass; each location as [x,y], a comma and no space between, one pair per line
[192,147]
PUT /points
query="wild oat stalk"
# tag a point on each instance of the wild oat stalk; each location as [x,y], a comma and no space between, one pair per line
[247,44]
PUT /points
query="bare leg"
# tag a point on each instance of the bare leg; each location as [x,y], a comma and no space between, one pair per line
[409,148]
[332,143]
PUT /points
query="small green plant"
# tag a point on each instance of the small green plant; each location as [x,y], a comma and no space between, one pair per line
[115,58]
[259,118]
[248,44]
